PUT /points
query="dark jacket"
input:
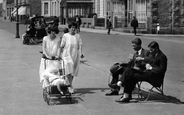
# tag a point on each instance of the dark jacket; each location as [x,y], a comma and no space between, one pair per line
[159,64]
[109,24]
[79,20]
[144,53]
[134,23]
[56,22]
[131,63]
[32,32]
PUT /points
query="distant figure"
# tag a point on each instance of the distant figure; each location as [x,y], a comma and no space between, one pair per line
[158,28]
[109,25]
[78,22]
[11,18]
[134,24]
[56,21]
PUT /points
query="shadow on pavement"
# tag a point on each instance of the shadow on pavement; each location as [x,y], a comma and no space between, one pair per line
[156,97]
[76,98]
[82,91]
[63,101]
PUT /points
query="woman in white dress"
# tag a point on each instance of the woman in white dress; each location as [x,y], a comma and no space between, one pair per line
[50,47]
[71,48]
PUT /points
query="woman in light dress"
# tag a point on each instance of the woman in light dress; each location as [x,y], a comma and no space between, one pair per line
[71,48]
[50,47]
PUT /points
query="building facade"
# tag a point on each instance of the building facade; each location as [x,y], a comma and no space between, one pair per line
[168,13]
[50,8]
[100,8]
[25,8]
[71,8]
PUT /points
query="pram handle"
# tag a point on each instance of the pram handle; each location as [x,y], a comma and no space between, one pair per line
[44,56]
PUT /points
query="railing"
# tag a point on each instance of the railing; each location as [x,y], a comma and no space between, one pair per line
[87,22]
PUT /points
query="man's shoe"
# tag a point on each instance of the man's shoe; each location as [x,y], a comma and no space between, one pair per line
[114,86]
[124,100]
[112,93]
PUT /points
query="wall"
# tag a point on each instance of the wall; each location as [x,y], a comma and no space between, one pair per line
[164,13]
[35,7]
[100,8]
[170,16]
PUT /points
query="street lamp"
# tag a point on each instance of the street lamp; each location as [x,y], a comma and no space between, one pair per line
[17,23]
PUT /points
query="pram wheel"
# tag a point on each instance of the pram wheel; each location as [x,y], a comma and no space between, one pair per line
[46,96]
[69,97]
[48,100]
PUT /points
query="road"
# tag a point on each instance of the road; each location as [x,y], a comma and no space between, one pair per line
[21,92]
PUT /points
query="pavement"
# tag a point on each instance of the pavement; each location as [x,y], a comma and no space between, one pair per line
[21,92]
[118,32]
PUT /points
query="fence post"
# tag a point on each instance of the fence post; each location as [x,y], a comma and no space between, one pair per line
[94,21]
[106,21]
[114,22]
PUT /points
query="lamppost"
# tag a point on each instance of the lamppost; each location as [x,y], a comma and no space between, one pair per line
[17,23]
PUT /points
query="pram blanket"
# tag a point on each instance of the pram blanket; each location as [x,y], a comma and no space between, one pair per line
[50,75]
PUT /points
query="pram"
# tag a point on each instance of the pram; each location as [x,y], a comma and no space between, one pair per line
[51,91]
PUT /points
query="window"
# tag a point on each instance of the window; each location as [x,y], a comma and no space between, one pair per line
[141,10]
[46,8]
[130,10]
[108,9]
[98,7]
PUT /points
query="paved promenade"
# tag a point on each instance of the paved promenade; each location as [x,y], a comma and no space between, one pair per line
[21,92]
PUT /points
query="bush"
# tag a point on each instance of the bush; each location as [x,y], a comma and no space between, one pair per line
[165,31]
[178,31]
[169,31]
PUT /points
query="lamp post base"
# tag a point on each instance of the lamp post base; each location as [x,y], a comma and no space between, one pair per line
[17,30]
[17,36]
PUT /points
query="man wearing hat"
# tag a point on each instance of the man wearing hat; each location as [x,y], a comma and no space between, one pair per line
[109,25]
